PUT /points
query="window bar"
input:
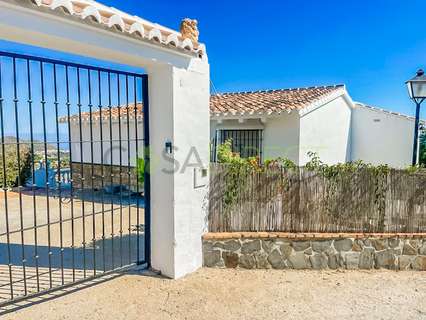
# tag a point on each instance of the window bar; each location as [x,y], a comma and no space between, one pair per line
[59,180]
[147,175]
[121,169]
[71,172]
[43,106]
[137,172]
[220,135]
[240,138]
[9,261]
[102,167]
[128,167]
[213,148]
[256,135]
[111,169]
[254,146]
[232,136]
[33,185]
[235,141]
[82,170]
[247,146]
[246,152]
[243,144]
[252,151]
[250,140]
[18,158]
[92,171]
[251,146]
[261,145]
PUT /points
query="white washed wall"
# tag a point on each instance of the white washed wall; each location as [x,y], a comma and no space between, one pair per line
[281,137]
[108,152]
[381,138]
[326,131]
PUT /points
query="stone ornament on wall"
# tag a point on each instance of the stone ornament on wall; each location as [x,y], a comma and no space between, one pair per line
[343,253]
[189,30]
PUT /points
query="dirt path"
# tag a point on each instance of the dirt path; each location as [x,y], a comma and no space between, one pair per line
[240,294]
[109,229]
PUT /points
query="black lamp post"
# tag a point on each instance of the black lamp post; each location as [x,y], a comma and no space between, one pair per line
[417,92]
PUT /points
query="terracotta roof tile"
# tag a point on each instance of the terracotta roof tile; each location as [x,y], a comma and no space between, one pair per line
[259,102]
[270,101]
[115,113]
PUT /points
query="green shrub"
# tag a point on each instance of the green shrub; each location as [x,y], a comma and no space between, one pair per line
[423,148]
[15,174]
[141,170]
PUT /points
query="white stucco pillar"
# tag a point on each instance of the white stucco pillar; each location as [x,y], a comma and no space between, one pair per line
[179,113]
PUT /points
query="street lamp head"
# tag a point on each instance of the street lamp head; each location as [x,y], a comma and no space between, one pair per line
[417,86]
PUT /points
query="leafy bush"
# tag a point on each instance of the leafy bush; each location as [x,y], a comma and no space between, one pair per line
[15,174]
[423,148]
[141,170]
[240,169]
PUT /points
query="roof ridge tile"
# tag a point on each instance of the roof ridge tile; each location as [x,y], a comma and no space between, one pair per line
[334,86]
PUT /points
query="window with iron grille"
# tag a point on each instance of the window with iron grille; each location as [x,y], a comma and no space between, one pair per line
[247,143]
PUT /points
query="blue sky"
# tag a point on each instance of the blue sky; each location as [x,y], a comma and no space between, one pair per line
[371,46]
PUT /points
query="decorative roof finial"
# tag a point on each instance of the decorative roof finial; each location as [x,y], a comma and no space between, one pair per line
[189,30]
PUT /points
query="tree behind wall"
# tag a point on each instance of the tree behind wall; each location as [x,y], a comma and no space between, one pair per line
[423,148]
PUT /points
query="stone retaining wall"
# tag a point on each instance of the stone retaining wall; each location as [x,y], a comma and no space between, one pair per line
[315,251]
[109,172]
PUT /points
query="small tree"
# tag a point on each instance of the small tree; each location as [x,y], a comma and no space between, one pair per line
[15,175]
[423,148]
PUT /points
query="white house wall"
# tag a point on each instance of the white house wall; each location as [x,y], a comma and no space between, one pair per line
[381,138]
[326,131]
[103,152]
[281,137]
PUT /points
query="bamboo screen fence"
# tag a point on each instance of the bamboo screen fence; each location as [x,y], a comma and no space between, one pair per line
[302,200]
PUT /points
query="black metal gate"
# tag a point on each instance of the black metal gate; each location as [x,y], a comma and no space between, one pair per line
[74,175]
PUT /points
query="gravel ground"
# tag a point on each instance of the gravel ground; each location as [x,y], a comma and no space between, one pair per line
[243,294]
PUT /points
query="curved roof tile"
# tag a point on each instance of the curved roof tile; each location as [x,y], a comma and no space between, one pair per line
[270,101]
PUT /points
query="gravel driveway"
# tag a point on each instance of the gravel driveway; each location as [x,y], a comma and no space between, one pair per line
[243,294]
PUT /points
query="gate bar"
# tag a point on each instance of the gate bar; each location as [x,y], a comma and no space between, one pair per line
[59,182]
[43,106]
[147,180]
[4,187]
[92,171]
[18,158]
[33,185]
[64,63]
[101,135]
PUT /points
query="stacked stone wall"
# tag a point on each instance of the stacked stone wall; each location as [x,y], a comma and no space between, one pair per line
[82,176]
[315,251]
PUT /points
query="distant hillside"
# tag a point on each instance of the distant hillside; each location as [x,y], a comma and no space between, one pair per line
[38,144]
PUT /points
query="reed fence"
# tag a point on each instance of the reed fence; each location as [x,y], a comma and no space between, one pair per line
[302,200]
